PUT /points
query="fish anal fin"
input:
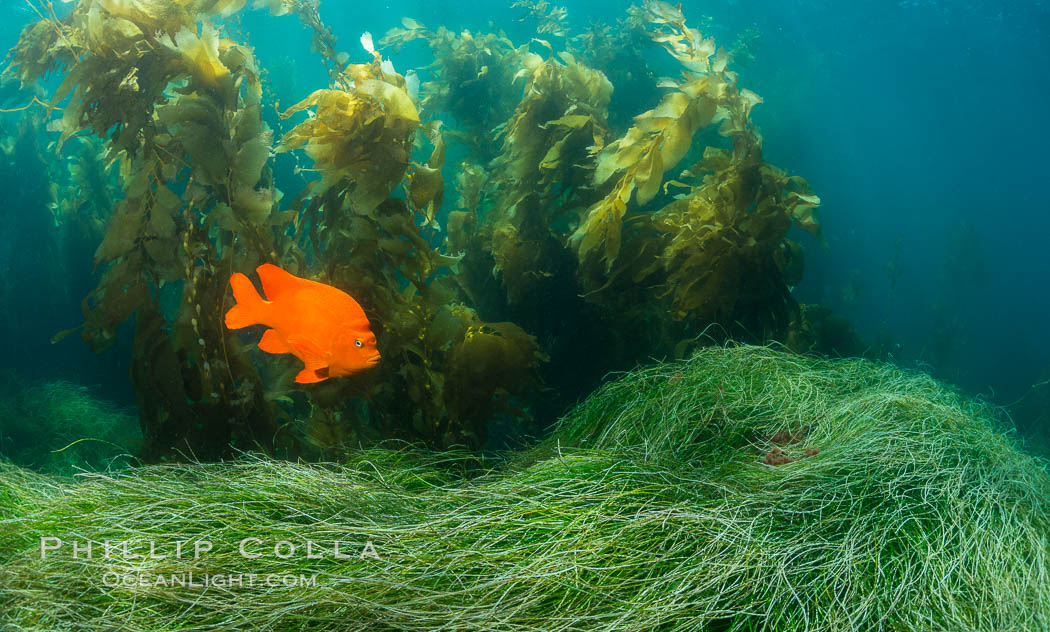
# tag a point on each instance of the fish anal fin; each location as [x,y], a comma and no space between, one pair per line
[312,376]
[276,281]
[272,343]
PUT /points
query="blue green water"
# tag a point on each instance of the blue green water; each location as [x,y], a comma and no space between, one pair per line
[922,125]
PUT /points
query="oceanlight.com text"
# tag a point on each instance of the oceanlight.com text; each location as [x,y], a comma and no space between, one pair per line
[194,580]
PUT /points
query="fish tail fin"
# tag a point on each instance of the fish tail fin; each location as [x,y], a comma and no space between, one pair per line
[249,308]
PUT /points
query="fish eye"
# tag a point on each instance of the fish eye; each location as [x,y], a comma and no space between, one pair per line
[358,343]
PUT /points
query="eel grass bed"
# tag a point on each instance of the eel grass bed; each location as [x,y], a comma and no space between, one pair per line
[742,489]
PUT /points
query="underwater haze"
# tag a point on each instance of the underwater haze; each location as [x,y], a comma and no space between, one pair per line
[524,316]
[920,126]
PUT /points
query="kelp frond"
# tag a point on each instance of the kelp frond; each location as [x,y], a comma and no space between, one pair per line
[660,138]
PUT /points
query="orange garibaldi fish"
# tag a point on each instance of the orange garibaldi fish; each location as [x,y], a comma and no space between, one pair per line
[317,323]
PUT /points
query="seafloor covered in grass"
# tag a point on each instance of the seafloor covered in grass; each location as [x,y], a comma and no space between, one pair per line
[743,489]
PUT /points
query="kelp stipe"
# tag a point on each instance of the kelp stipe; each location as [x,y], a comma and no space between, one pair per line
[179,107]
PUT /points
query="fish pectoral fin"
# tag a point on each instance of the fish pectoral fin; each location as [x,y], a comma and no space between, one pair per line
[316,369]
[272,343]
[312,376]
[305,349]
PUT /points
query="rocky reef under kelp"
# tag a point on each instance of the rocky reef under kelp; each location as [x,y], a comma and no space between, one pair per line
[654,506]
[577,244]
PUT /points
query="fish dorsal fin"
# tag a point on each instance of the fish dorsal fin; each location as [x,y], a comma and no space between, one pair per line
[276,281]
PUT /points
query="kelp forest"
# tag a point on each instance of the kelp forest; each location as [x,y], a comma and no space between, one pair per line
[608,211]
